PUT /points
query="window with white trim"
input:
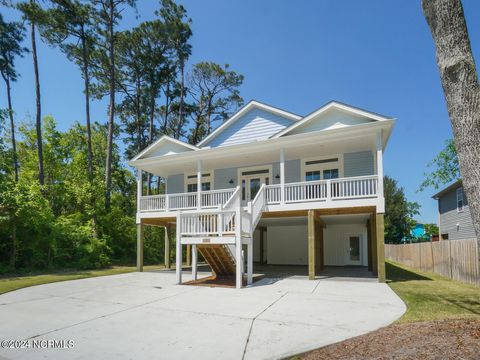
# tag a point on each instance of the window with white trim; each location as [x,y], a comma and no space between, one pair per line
[321,169]
[460,199]
[192,185]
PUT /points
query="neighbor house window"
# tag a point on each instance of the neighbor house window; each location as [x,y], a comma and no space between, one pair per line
[460,199]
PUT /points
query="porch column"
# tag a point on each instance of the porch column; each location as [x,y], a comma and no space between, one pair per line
[319,250]
[250,262]
[178,253]
[199,184]
[238,249]
[188,255]
[140,247]
[311,244]
[167,246]
[282,176]
[380,247]
[373,232]
[194,261]
[381,198]
[139,189]
[369,245]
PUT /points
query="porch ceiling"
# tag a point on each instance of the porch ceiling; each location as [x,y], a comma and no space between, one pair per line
[256,154]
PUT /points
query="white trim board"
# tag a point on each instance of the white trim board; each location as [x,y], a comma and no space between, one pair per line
[330,105]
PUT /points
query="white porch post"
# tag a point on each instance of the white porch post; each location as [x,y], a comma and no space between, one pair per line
[178,262]
[381,199]
[282,176]
[139,189]
[250,262]
[194,261]
[238,248]
[199,184]
[167,205]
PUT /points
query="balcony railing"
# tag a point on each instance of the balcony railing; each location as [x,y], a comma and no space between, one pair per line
[185,201]
[323,190]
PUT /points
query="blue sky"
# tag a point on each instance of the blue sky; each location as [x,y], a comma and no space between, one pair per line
[298,55]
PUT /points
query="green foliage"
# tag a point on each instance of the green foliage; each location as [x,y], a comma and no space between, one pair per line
[53,223]
[430,229]
[445,168]
[399,212]
[215,91]
[11,37]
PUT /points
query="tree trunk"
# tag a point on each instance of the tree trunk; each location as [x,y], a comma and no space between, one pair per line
[167,106]
[462,92]
[13,258]
[182,95]
[108,165]
[86,79]
[41,177]
[12,127]
[150,137]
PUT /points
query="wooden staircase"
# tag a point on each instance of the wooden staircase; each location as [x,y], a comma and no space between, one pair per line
[219,258]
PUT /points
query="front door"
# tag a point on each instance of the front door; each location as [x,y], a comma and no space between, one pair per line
[354,250]
[251,184]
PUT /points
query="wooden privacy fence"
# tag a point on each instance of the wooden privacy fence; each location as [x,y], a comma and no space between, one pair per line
[456,259]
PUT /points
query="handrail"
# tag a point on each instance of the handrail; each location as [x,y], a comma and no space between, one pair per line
[257,206]
[232,198]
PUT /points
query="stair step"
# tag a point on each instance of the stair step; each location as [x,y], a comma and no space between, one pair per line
[219,258]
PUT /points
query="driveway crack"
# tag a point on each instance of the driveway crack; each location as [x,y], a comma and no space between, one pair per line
[255,318]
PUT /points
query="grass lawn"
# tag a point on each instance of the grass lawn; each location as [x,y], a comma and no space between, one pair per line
[432,297]
[14,282]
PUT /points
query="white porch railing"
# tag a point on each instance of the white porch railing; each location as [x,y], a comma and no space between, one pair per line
[354,187]
[213,198]
[207,223]
[307,191]
[324,190]
[185,201]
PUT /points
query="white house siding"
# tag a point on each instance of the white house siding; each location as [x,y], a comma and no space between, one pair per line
[336,243]
[253,126]
[287,245]
[331,119]
[450,217]
[358,163]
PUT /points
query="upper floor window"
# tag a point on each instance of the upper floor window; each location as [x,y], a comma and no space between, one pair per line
[191,183]
[459,199]
[312,175]
[322,168]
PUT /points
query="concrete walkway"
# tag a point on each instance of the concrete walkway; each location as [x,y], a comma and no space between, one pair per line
[146,316]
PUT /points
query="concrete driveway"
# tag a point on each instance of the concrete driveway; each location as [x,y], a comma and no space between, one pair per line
[147,316]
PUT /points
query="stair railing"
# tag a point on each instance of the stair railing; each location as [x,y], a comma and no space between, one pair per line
[256,207]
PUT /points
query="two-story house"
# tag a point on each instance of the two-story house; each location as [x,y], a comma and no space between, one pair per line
[454,218]
[273,187]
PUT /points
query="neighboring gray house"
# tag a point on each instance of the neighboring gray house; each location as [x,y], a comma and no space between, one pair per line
[455,221]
